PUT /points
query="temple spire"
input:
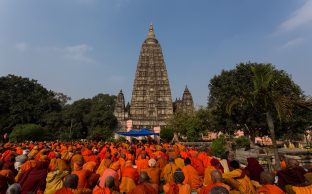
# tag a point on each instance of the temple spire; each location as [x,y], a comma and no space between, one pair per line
[151,33]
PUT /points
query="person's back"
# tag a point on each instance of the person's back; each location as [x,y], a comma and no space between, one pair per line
[268,187]
[218,190]
[144,186]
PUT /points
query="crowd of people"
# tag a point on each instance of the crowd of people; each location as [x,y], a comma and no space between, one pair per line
[138,168]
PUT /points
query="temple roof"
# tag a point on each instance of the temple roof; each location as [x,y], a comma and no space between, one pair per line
[151,35]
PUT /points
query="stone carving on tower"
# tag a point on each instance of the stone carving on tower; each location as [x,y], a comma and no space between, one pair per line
[151,102]
[186,104]
[119,111]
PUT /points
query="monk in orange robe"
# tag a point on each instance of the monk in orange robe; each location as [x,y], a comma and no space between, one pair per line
[168,170]
[268,187]
[191,175]
[177,186]
[161,162]
[145,187]
[142,163]
[129,177]
[82,174]
[104,164]
[29,164]
[108,188]
[58,163]
[77,156]
[198,165]
[179,162]
[153,172]
[217,180]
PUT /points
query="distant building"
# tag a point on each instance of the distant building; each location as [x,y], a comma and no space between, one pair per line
[151,102]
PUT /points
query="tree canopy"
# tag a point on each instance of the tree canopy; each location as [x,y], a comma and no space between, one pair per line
[250,117]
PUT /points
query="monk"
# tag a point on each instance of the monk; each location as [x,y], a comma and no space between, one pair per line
[237,175]
[111,171]
[34,180]
[82,174]
[191,175]
[168,170]
[144,186]
[77,156]
[218,190]
[129,177]
[104,164]
[58,163]
[108,188]
[207,176]
[177,186]
[268,187]
[142,163]
[54,181]
[197,164]
[153,171]
[292,175]
[179,162]
[70,186]
[6,177]
[217,180]
[253,169]
[29,164]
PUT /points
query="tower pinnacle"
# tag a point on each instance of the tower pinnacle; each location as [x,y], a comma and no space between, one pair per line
[151,33]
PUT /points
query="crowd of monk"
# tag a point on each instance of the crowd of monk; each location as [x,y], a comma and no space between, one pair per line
[104,168]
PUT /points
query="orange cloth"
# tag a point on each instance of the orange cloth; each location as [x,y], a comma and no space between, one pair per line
[167,172]
[207,188]
[161,163]
[198,165]
[142,164]
[104,164]
[144,188]
[177,188]
[283,164]
[270,189]
[154,174]
[25,167]
[207,177]
[179,162]
[90,166]
[58,163]
[204,158]
[102,191]
[303,190]
[191,177]
[64,190]
[82,178]
[128,180]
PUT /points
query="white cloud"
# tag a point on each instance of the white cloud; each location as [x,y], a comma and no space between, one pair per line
[21,46]
[300,17]
[78,53]
[292,43]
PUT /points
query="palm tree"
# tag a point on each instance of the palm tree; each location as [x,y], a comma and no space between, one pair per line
[274,102]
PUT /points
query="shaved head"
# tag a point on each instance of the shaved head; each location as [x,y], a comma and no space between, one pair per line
[216,176]
[266,178]
[109,182]
[144,177]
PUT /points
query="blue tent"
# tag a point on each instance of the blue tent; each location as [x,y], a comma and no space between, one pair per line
[138,133]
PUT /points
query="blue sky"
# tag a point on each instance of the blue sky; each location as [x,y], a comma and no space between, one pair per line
[85,47]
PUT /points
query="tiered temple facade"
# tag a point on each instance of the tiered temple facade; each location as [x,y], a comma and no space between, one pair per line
[151,102]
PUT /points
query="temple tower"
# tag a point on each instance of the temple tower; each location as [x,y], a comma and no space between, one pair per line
[151,102]
[186,104]
[119,110]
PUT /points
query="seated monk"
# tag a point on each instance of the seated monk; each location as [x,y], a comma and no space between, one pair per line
[144,186]
[293,175]
[111,171]
[54,181]
[177,186]
[168,170]
[198,164]
[109,187]
[58,163]
[34,180]
[153,172]
[29,164]
[217,180]
[218,190]
[70,186]
[129,177]
[268,187]
[179,162]
[236,175]
[191,175]
[253,169]
[304,189]
[82,174]
[6,177]
[142,163]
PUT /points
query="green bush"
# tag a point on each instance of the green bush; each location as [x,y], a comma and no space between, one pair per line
[101,134]
[122,139]
[218,146]
[166,134]
[29,132]
[242,142]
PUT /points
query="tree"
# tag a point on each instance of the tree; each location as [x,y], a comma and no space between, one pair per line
[249,117]
[24,101]
[270,90]
[28,132]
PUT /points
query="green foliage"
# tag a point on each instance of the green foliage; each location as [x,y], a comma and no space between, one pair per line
[121,139]
[28,132]
[25,101]
[188,125]
[242,142]
[101,134]
[240,85]
[166,134]
[218,146]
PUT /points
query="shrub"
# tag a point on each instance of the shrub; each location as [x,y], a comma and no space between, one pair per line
[166,134]
[242,142]
[101,134]
[218,146]
[122,139]
[32,132]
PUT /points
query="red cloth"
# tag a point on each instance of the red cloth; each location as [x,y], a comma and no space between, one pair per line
[34,180]
[253,169]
